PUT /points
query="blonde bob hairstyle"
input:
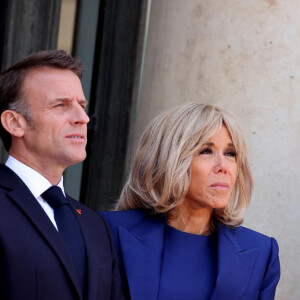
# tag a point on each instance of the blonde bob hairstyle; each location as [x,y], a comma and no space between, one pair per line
[160,175]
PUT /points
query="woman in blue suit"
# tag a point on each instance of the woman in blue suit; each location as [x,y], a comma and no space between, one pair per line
[177,231]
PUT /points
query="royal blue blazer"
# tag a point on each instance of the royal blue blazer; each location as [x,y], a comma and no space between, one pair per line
[248,263]
[35,263]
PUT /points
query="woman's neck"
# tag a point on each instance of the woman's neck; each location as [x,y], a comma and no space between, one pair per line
[190,219]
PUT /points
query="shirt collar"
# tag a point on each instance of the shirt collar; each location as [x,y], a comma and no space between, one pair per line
[36,183]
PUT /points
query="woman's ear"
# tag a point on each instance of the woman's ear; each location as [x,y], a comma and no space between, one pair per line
[13,122]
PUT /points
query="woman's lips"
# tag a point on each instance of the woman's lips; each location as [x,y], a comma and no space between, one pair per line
[220,185]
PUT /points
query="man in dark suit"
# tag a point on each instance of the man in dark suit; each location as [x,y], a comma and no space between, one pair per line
[44,128]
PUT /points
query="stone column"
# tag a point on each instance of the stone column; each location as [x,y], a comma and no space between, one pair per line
[243,56]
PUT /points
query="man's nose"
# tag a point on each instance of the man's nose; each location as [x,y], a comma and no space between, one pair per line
[79,115]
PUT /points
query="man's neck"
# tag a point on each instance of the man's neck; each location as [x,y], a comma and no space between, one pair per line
[51,173]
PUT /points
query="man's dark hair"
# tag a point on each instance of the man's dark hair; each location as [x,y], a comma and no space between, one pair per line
[11,81]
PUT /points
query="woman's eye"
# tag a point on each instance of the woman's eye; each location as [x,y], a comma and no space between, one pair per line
[206,151]
[231,153]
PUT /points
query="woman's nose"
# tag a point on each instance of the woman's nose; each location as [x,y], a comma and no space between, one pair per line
[221,164]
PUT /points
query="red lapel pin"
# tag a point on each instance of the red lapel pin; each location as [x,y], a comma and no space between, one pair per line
[79,211]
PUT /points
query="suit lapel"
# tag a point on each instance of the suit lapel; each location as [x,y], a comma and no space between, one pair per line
[142,248]
[235,266]
[20,194]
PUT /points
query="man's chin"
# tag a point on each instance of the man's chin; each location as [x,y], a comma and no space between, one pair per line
[76,159]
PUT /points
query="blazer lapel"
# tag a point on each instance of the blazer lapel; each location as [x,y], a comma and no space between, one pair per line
[142,248]
[19,193]
[235,266]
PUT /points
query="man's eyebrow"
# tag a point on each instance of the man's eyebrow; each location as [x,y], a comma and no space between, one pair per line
[81,101]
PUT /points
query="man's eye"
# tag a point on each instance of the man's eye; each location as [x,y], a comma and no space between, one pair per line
[60,105]
[206,151]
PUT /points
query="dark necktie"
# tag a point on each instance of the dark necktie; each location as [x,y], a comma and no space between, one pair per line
[68,228]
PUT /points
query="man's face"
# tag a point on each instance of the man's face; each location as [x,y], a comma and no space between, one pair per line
[58,134]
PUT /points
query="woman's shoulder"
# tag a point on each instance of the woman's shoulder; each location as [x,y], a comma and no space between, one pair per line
[125,218]
[248,238]
[242,231]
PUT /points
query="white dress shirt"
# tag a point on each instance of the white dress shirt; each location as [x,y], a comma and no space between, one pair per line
[36,183]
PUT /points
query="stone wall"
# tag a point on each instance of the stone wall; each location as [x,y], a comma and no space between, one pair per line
[243,56]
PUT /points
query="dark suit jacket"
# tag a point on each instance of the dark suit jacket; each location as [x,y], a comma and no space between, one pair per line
[248,263]
[34,261]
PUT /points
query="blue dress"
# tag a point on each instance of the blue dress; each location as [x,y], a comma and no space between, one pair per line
[189,266]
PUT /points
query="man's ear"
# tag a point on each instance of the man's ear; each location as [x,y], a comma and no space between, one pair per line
[13,122]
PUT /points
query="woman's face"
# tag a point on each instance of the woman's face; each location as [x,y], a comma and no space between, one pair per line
[213,172]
